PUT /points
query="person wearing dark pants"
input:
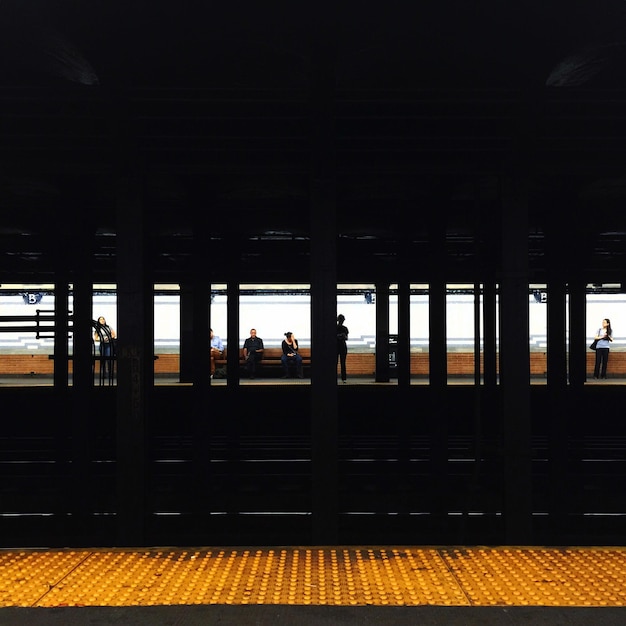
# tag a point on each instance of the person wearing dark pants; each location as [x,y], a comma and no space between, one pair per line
[105,336]
[604,337]
[290,357]
[342,346]
[253,352]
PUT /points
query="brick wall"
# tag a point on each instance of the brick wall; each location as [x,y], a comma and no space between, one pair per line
[459,364]
[25,364]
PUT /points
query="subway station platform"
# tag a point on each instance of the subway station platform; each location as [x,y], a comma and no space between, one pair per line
[42,380]
[314,585]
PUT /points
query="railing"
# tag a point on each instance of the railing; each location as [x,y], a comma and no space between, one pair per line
[43,324]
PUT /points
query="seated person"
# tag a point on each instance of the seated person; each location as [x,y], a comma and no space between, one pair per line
[290,357]
[253,352]
[217,349]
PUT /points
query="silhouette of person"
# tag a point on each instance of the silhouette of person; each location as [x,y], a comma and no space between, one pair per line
[342,346]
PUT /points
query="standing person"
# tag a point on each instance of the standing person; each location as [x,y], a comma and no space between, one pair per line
[105,335]
[217,349]
[342,346]
[253,352]
[290,355]
[604,337]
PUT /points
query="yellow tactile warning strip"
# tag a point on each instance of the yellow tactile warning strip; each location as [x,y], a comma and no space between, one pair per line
[337,576]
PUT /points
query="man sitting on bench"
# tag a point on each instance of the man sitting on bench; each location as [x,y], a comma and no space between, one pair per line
[253,352]
[290,357]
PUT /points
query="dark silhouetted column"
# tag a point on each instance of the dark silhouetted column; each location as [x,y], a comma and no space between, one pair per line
[382,332]
[324,409]
[134,331]
[515,364]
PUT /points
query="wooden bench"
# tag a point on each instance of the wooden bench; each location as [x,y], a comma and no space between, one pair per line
[271,360]
[358,364]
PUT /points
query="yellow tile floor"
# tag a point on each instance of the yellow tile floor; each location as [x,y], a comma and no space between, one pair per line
[336,576]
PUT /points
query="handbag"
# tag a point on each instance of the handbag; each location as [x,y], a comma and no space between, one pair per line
[594,345]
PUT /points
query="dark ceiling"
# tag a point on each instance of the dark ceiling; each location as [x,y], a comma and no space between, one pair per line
[227,112]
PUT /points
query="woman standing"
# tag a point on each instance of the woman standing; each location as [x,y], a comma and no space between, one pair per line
[604,337]
[342,347]
[105,335]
